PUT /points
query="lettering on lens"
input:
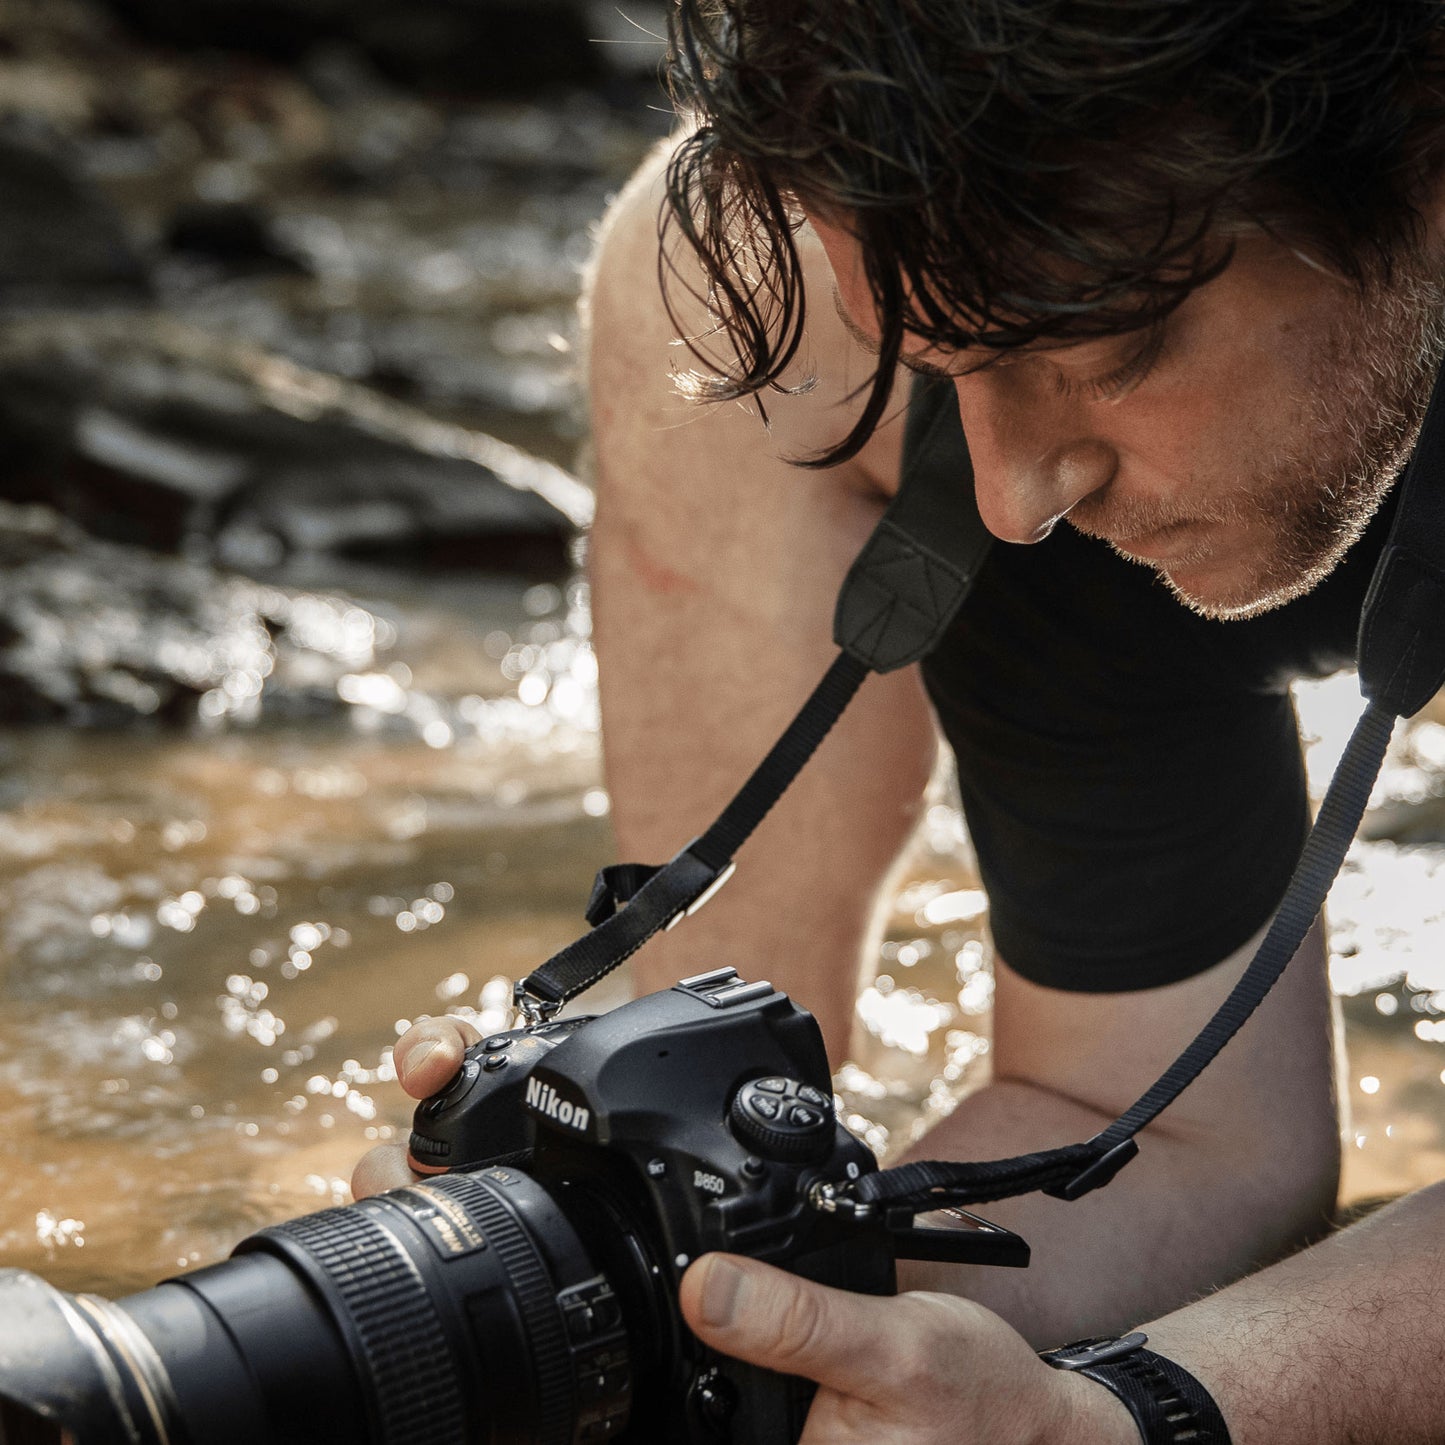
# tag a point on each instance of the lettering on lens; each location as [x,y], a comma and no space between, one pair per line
[548,1103]
[453,1230]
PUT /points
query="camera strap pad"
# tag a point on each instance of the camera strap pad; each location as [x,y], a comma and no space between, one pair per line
[896,603]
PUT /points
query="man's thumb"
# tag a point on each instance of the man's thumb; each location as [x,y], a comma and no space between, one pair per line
[768,1317]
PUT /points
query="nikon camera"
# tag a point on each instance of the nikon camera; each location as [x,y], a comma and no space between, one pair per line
[526,1292]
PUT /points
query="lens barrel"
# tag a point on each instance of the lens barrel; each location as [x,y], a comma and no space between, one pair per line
[460,1310]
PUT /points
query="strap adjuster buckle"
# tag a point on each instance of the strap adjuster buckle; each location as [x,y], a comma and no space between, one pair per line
[706,896]
[1090,1354]
[1098,1174]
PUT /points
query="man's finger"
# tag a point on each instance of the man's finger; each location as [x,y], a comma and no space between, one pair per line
[428,1054]
[380,1169]
[768,1317]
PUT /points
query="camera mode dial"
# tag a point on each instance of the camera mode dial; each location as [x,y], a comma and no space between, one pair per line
[783,1119]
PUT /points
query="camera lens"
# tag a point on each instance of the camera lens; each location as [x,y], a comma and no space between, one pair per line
[464,1309]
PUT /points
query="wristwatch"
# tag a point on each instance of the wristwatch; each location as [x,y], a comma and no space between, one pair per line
[1168,1404]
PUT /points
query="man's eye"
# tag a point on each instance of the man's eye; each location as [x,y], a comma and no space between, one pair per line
[1118,383]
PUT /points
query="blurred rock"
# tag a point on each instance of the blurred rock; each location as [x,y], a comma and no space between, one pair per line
[58,234]
[154,433]
[96,635]
[239,235]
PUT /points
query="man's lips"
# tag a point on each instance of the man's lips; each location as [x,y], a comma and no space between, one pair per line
[1159,544]
[1152,546]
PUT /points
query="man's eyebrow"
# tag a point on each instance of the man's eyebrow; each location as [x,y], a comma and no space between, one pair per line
[909,363]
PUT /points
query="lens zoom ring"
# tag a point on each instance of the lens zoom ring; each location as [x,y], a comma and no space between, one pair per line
[409,1368]
[536,1293]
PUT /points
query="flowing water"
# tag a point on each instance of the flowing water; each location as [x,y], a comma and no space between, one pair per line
[211,939]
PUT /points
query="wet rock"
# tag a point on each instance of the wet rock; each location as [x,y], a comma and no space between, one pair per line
[97,635]
[239,235]
[156,433]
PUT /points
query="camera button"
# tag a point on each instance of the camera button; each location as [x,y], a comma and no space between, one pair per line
[714,1398]
[493,1062]
[466,1077]
[771,1086]
[809,1095]
[497,1043]
[779,1127]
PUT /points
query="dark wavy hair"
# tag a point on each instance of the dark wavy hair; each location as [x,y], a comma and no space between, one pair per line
[1022,171]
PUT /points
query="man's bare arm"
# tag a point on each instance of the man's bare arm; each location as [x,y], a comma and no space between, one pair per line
[1339,1345]
[715,567]
[1241,1169]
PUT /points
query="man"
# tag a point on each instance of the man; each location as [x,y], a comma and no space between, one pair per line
[1179,266]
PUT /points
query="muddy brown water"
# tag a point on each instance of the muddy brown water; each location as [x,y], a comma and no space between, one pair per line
[209,941]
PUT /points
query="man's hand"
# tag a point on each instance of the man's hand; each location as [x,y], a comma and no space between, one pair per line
[427,1056]
[916,1369]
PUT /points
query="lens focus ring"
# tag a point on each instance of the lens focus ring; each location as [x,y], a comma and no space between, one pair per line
[536,1295]
[411,1376]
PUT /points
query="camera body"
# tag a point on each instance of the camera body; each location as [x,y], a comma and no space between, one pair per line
[694,1119]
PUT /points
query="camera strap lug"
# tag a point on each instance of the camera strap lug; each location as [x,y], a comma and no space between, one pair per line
[832,1199]
[534,1008]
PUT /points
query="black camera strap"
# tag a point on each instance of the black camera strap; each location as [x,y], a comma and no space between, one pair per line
[897,601]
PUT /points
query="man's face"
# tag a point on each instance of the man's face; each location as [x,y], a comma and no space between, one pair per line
[1239,458]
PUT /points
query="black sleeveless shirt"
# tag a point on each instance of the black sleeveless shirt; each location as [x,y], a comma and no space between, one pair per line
[1131,773]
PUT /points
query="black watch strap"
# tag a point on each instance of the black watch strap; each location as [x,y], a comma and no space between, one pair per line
[1168,1404]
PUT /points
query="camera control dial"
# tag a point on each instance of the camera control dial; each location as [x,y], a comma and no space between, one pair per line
[783,1119]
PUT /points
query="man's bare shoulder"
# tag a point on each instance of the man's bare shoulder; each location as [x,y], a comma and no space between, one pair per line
[631,328]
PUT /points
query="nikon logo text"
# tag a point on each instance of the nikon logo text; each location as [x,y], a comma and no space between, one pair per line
[544,1099]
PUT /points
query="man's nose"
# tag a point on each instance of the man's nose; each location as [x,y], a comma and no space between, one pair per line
[1034,457]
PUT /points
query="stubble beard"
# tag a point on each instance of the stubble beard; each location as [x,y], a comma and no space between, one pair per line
[1361,409]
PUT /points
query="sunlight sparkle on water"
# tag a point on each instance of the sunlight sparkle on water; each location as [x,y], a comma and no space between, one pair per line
[53,1232]
[964,905]
[1328,710]
[1387,919]
[902,1018]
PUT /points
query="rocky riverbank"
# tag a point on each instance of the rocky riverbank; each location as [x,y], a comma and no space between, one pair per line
[276,285]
